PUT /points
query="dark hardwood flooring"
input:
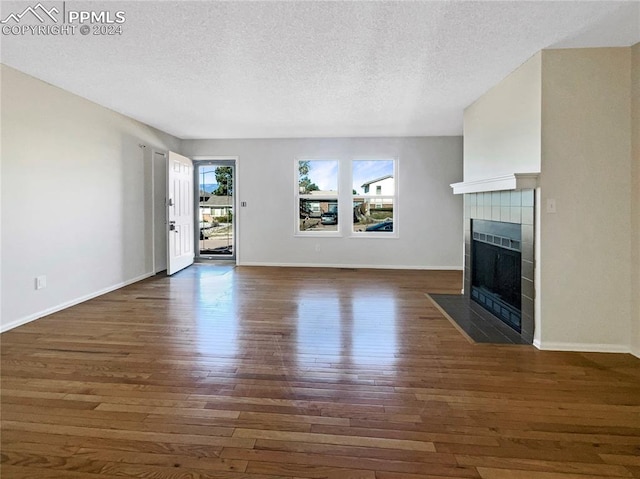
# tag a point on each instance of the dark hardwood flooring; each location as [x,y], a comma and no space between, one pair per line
[263,373]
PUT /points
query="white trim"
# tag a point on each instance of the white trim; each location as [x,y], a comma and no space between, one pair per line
[237,209]
[73,302]
[373,235]
[352,266]
[327,196]
[154,151]
[214,158]
[515,181]
[318,234]
[236,201]
[395,234]
[582,347]
[635,352]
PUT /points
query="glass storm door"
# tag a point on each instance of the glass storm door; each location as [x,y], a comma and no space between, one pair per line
[216,181]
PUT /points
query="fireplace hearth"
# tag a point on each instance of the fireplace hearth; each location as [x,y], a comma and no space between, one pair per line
[497,304]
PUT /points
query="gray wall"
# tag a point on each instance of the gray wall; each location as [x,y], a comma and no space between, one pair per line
[430,216]
[75,198]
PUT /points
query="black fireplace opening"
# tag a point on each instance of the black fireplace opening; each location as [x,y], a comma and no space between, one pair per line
[496,269]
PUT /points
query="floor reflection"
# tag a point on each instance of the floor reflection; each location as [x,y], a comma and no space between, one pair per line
[318,328]
[355,327]
[216,317]
[374,329]
[229,314]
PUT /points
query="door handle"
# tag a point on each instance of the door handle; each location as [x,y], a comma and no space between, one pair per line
[172,225]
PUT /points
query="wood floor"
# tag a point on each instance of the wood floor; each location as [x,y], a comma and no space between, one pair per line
[260,373]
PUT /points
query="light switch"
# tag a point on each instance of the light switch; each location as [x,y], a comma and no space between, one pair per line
[551,205]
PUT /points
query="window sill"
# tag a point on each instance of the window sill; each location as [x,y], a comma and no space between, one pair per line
[318,234]
[374,235]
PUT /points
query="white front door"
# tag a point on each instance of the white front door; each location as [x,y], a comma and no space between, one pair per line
[180,204]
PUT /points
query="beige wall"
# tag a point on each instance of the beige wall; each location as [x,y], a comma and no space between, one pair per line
[635,198]
[585,248]
[588,251]
[502,128]
[75,197]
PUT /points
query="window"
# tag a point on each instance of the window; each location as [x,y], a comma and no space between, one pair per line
[317,193]
[374,213]
[370,205]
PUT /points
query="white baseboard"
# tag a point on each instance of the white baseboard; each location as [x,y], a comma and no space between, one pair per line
[582,347]
[351,266]
[68,304]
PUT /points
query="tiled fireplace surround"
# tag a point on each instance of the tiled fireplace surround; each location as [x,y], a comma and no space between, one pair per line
[515,206]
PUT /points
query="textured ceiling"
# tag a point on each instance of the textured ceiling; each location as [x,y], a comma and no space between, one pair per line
[209,69]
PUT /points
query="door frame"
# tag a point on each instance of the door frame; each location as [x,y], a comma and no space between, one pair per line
[155,206]
[210,160]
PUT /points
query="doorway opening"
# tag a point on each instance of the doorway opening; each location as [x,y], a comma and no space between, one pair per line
[216,207]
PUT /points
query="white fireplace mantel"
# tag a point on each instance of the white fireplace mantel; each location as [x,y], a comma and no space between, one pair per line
[515,181]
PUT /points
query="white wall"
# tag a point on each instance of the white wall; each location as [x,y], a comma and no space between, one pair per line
[502,128]
[635,199]
[586,167]
[430,218]
[75,197]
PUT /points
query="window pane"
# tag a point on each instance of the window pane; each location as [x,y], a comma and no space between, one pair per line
[318,176]
[318,215]
[372,214]
[216,210]
[373,177]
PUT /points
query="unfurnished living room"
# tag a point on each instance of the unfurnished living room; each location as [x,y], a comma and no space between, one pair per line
[320,239]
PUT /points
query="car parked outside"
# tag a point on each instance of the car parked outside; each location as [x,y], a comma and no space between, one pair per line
[329,218]
[382,226]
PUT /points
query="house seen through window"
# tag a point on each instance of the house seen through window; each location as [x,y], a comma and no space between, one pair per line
[373,212]
[317,196]
[373,197]
[216,210]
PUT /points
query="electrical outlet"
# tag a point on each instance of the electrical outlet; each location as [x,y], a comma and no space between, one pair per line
[317,247]
[41,282]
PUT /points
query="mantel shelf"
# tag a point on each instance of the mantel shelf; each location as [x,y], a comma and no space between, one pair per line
[515,181]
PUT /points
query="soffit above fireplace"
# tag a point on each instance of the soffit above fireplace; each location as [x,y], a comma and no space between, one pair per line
[515,181]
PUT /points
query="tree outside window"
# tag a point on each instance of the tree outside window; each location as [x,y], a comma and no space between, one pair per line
[317,192]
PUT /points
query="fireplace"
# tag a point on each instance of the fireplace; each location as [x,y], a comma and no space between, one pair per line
[496,269]
[498,240]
